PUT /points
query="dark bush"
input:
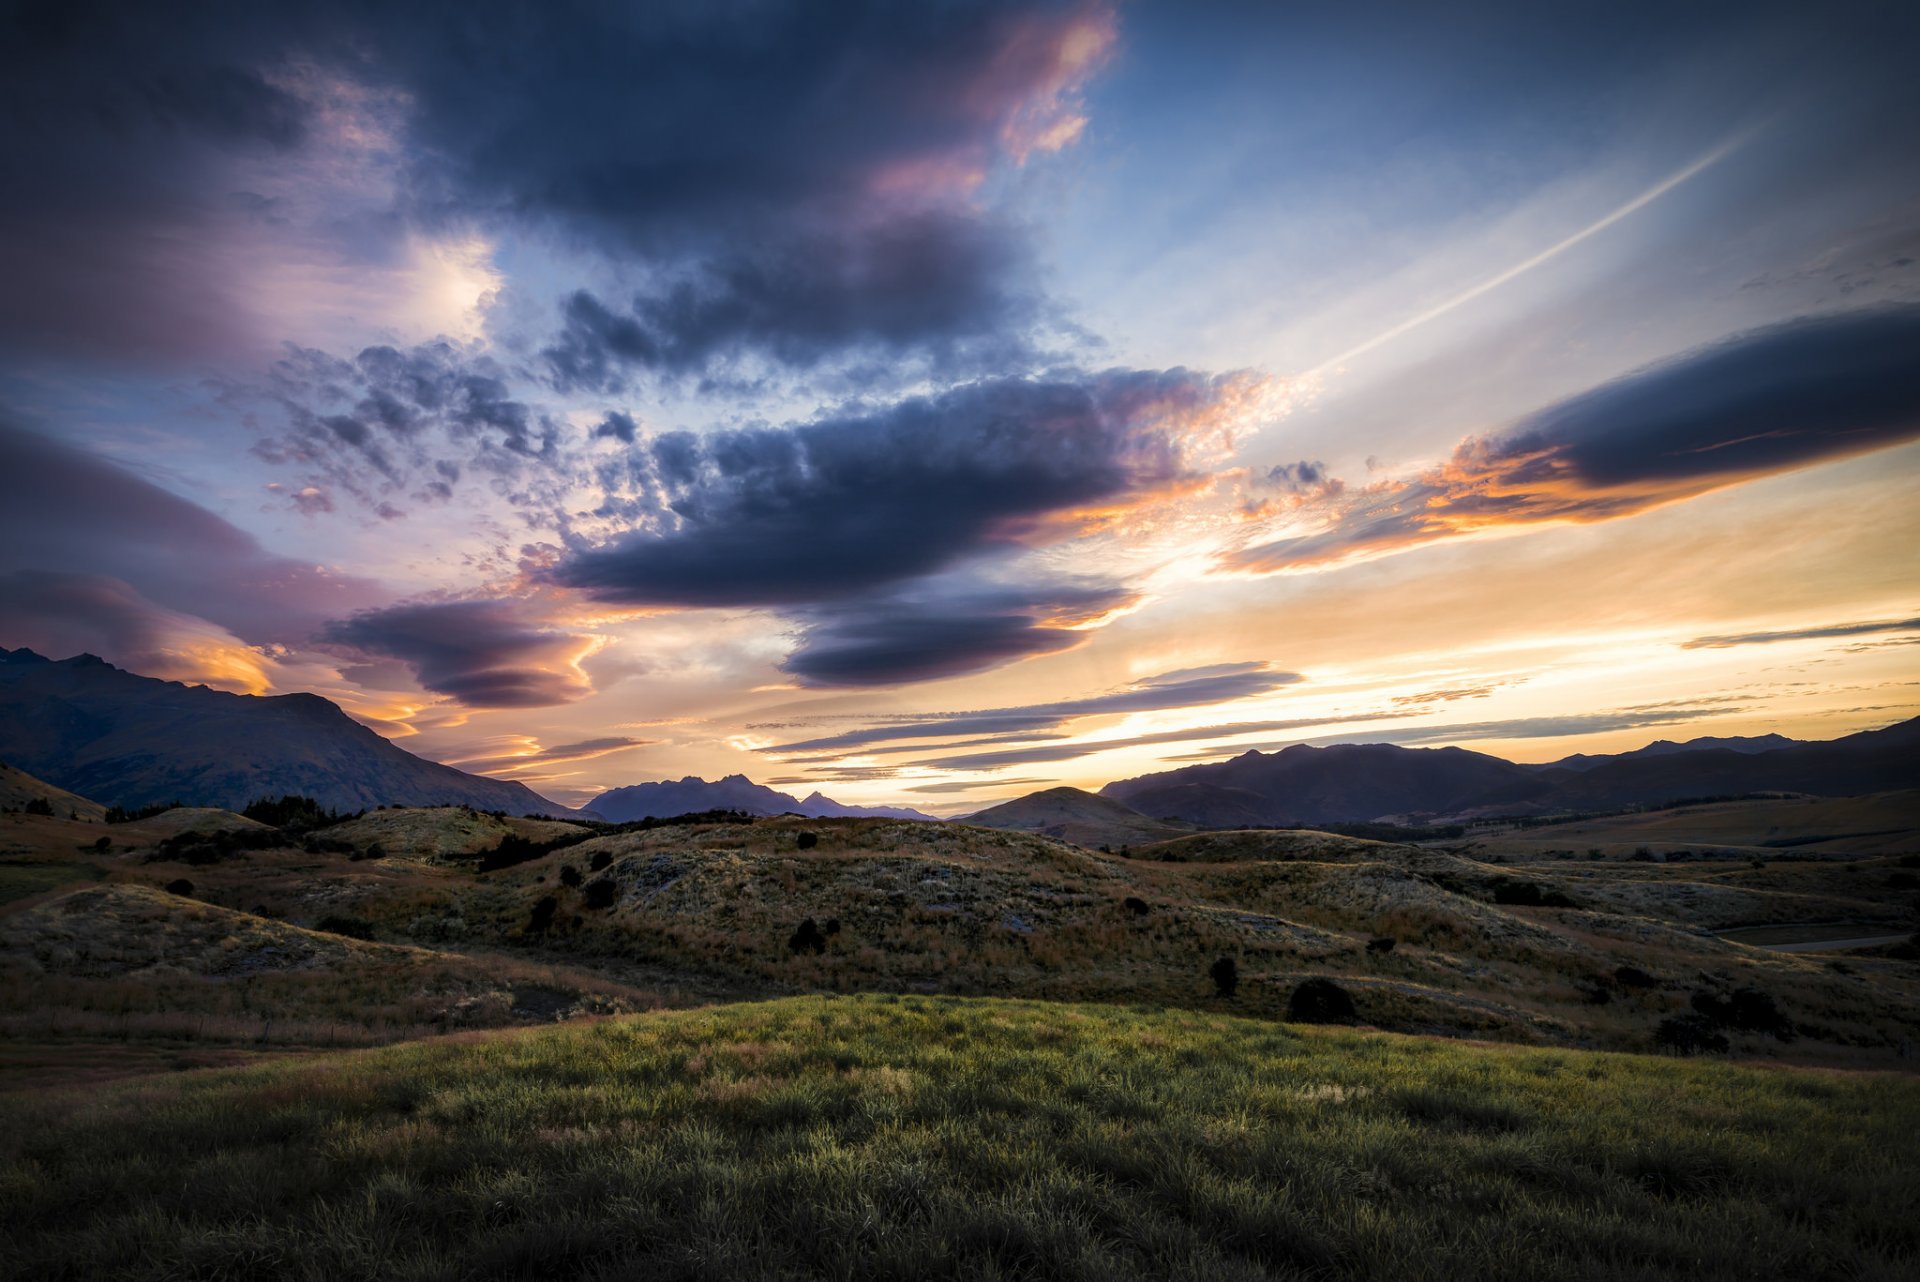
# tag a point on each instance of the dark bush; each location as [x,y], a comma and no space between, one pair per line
[807,938]
[1319,1001]
[515,849]
[103,845]
[343,924]
[374,850]
[1634,977]
[1595,991]
[1226,976]
[1902,881]
[599,861]
[542,918]
[832,927]
[1135,905]
[1748,1009]
[1384,944]
[602,892]
[1688,1035]
[569,875]
[179,886]
[40,806]
[807,840]
[1525,894]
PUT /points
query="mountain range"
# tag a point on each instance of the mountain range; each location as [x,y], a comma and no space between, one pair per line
[130,741]
[692,795]
[1360,783]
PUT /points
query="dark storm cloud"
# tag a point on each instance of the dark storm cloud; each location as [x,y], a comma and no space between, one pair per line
[922,636]
[1187,688]
[840,140]
[939,285]
[483,653]
[867,499]
[616,426]
[1802,634]
[68,512]
[1769,401]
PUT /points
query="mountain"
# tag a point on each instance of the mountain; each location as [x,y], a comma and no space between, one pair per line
[1667,748]
[1357,783]
[1302,786]
[692,795]
[1068,814]
[1851,766]
[127,740]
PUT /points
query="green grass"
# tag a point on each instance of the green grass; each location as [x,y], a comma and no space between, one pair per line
[889,1137]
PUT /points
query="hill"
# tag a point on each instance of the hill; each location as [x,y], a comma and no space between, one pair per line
[881,1137]
[131,741]
[1070,815]
[19,789]
[693,795]
[1304,786]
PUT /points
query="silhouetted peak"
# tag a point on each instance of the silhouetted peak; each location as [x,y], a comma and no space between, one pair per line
[22,655]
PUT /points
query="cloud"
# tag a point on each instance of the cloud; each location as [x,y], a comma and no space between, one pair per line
[843,142]
[871,498]
[410,422]
[530,754]
[483,653]
[60,615]
[1802,634]
[65,511]
[1518,728]
[952,291]
[1183,689]
[923,635]
[1088,747]
[1768,401]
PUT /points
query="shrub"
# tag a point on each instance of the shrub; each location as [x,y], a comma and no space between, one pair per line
[1319,1001]
[343,924]
[103,845]
[40,806]
[374,850]
[1384,944]
[807,938]
[1748,1009]
[1135,905]
[1634,977]
[832,927]
[602,892]
[118,815]
[807,840]
[569,875]
[1226,976]
[1526,894]
[179,886]
[542,917]
[1688,1035]
[599,861]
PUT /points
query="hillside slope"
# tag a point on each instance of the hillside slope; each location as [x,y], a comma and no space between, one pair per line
[132,741]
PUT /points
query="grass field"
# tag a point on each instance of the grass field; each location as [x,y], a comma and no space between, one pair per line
[924,1137]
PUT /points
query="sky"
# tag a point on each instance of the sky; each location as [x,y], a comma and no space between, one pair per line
[930,403]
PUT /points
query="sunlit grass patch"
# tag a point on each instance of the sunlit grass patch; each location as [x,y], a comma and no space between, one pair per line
[931,1137]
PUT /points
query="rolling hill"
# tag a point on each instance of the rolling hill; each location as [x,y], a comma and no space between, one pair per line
[121,739]
[1082,818]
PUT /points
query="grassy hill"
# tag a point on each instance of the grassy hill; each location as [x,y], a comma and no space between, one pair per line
[906,1137]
